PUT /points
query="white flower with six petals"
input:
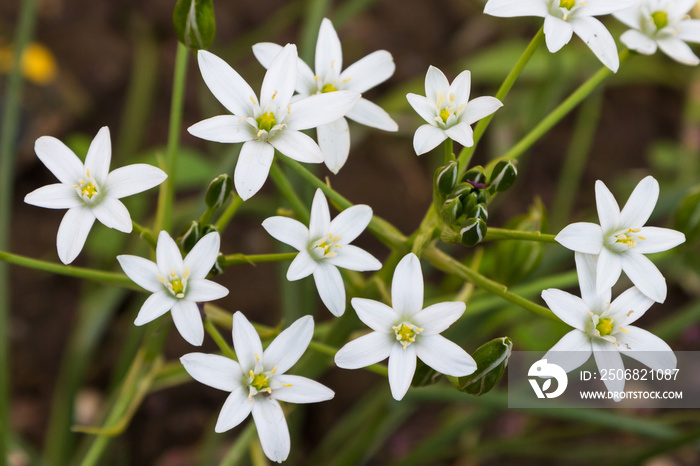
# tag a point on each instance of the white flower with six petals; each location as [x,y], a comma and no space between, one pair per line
[89,191]
[325,246]
[405,331]
[258,382]
[177,285]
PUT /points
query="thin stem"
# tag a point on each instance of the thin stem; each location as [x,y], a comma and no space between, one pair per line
[211,329]
[287,190]
[229,212]
[449,150]
[145,234]
[502,233]
[467,153]
[231,259]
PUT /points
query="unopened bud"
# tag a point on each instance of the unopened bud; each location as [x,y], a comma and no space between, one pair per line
[479,211]
[190,236]
[194,23]
[473,231]
[504,175]
[491,360]
[476,177]
[446,178]
[452,210]
[218,191]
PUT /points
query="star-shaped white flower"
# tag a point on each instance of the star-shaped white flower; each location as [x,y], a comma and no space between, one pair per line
[177,285]
[621,239]
[89,191]
[258,382]
[273,122]
[405,331]
[325,246]
[562,18]
[361,76]
[447,109]
[603,328]
[664,24]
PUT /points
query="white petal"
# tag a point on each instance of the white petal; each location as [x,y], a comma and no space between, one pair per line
[54,196]
[286,349]
[658,239]
[608,357]
[608,270]
[329,284]
[438,317]
[213,370]
[586,268]
[512,8]
[155,306]
[59,159]
[632,304]
[252,168]
[435,81]
[226,84]
[297,146]
[133,179]
[299,390]
[141,271]
[353,258]
[462,133]
[202,256]
[444,356]
[569,308]
[402,367]
[112,213]
[678,50]
[236,408]
[645,276]
[329,54]
[72,233]
[598,39]
[223,128]
[557,33]
[369,114]
[639,42]
[689,30]
[246,342]
[288,231]
[368,71]
[604,7]
[200,290]
[265,52]
[99,156]
[320,223]
[423,106]
[351,222]
[320,109]
[407,286]
[427,138]
[334,141]
[632,17]
[280,79]
[608,210]
[571,351]
[364,351]
[272,428]
[647,348]
[188,321]
[168,255]
[480,108]
[640,204]
[461,88]
[302,266]
[581,237]
[377,316]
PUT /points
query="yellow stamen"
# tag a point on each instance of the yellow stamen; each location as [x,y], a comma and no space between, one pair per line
[274,95]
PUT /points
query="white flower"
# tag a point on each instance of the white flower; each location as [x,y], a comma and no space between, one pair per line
[325,246]
[664,24]
[370,71]
[562,18]
[177,285]
[621,239]
[89,191]
[406,331]
[447,109]
[258,382]
[603,328]
[273,122]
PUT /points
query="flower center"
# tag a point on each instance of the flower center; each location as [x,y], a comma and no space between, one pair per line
[605,326]
[87,189]
[660,19]
[406,333]
[629,237]
[444,115]
[174,283]
[328,88]
[568,4]
[260,381]
[329,244]
[266,121]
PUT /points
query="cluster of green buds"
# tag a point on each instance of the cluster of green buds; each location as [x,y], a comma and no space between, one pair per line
[462,202]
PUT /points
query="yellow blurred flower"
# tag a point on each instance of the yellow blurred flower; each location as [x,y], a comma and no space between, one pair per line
[38,63]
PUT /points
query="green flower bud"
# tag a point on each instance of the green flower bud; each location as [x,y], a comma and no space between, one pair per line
[483,196]
[476,177]
[446,178]
[479,211]
[503,175]
[424,375]
[473,231]
[194,23]
[190,236]
[491,361]
[452,210]
[469,200]
[218,191]
[219,266]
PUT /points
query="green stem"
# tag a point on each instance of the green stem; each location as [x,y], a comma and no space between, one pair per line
[467,153]
[502,233]
[145,234]
[331,351]
[287,190]
[167,193]
[562,110]
[449,150]
[109,278]
[256,258]
[218,339]
[228,214]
